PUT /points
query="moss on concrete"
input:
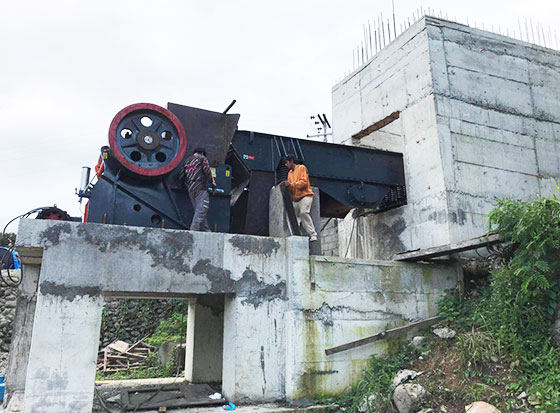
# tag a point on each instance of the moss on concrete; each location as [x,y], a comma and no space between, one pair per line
[391,278]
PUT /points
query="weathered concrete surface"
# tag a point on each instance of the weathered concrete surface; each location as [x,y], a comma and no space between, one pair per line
[21,337]
[63,353]
[141,262]
[205,327]
[479,120]
[343,300]
[254,359]
[282,307]
[174,263]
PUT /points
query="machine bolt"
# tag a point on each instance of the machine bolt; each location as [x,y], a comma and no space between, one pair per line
[148,139]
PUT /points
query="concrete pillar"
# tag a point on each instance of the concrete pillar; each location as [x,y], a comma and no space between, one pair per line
[278,221]
[21,338]
[254,355]
[203,358]
[63,353]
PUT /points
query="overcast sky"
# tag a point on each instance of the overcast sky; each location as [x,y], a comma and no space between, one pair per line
[67,67]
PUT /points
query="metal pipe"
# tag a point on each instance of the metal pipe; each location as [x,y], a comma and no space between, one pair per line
[229,107]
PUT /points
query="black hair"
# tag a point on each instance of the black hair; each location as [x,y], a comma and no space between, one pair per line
[201,151]
[290,157]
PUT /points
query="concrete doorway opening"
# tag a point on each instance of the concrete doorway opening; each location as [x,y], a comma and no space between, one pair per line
[139,336]
[160,351]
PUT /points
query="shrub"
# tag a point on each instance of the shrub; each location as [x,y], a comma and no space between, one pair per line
[172,329]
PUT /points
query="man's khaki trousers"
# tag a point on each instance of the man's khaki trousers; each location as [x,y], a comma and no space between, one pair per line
[303,215]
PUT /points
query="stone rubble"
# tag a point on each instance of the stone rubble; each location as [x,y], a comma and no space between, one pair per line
[403,376]
[418,341]
[7,314]
[408,397]
[481,407]
[444,332]
[368,404]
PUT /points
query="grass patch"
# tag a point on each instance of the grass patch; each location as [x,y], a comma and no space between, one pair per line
[173,329]
[377,380]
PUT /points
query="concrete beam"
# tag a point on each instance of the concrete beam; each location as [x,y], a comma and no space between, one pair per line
[127,261]
[169,262]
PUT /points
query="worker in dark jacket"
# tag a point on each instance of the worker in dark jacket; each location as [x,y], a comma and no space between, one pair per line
[198,179]
[302,195]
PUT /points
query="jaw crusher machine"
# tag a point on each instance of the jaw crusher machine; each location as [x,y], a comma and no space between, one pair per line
[137,174]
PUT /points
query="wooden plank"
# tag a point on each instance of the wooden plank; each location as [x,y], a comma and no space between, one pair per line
[143,356]
[119,346]
[429,253]
[115,357]
[141,341]
[105,359]
[377,125]
[384,334]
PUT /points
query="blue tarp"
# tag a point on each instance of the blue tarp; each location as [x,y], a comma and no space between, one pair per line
[15,256]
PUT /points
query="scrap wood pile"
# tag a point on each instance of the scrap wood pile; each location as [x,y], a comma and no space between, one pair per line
[119,356]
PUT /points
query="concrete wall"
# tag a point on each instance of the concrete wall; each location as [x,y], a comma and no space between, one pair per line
[8,297]
[329,237]
[397,79]
[282,308]
[343,300]
[498,119]
[479,121]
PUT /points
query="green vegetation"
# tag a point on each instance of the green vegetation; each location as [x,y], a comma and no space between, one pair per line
[173,329]
[505,344]
[521,307]
[377,381]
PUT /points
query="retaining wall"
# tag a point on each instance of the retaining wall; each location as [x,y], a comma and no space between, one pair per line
[8,297]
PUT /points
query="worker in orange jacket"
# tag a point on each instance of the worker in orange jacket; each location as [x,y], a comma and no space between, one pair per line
[302,195]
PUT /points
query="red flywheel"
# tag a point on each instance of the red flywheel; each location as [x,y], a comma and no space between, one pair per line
[147,139]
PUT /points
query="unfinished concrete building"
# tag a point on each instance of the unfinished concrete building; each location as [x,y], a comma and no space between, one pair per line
[477,117]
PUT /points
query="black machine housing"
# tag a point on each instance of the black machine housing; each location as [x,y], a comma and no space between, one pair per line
[246,165]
